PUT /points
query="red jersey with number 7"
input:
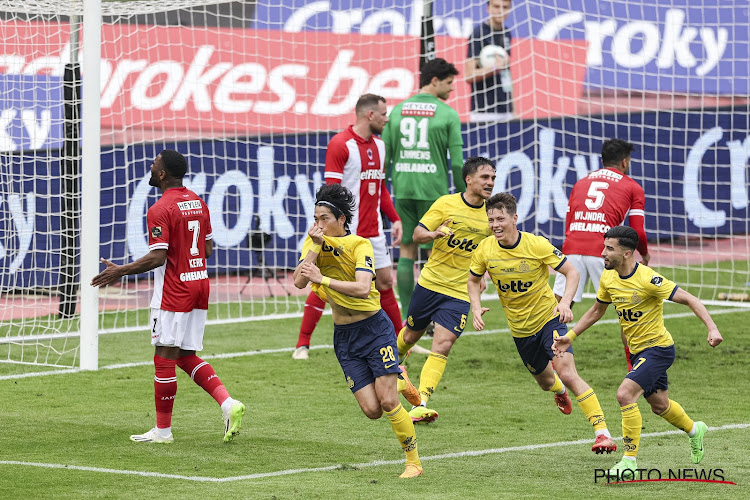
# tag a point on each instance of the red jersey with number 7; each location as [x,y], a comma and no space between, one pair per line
[598,202]
[179,222]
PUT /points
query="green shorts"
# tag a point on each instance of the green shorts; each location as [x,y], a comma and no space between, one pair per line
[411,211]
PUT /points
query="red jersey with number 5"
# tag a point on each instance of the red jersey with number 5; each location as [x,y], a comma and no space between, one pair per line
[179,222]
[598,202]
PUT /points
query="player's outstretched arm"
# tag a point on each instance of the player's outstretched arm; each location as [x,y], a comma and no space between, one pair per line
[684,297]
[594,314]
[113,272]
[474,286]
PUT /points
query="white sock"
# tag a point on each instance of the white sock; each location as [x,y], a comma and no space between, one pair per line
[563,391]
[166,432]
[604,432]
[692,431]
[227,405]
[629,458]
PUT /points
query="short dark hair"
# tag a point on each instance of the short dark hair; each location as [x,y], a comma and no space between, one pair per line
[626,236]
[338,199]
[439,68]
[502,201]
[367,101]
[615,150]
[472,165]
[174,163]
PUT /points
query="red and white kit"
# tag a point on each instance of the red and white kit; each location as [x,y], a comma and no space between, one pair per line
[179,222]
[360,166]
[598,202]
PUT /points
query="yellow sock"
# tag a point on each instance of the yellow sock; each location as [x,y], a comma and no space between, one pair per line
[589,404]
[631,429]
[403,347]
[404,429]
[558,385]
[676,416]
[432,372]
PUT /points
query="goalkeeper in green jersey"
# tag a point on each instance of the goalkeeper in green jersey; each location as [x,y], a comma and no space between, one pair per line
[420,134]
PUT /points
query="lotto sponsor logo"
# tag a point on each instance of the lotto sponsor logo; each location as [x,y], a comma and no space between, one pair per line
[372,174]
[194,276]
[190,205]
[418,109]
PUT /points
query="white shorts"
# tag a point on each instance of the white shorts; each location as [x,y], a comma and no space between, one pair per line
[178,329]
[382,252]
[589,267]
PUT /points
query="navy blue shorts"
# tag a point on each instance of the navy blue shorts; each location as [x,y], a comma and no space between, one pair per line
[536,351]
[366,350]
[426,306]
[650,368]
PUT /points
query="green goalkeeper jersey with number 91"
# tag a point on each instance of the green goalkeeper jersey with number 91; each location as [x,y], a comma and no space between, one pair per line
[419,132]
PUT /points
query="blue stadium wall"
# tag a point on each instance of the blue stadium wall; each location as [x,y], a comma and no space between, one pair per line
[692,165]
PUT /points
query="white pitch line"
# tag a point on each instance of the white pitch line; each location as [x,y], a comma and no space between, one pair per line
[375,463]
[322,346]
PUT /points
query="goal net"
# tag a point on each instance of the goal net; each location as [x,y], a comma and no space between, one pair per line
[251,92]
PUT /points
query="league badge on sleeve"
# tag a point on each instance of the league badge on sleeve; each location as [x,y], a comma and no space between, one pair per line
[558,253]
[656,280]
[156,232]
[368,261]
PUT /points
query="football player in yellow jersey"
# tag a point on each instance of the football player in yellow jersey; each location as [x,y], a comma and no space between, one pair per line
[518,264]
[341,269]
[638,292]
[456,223]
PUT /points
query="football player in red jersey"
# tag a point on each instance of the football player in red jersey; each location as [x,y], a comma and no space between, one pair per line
[598,202]
[180,241]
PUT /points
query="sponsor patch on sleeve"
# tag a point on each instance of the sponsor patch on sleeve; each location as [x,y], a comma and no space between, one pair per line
[156,232]
[656,280]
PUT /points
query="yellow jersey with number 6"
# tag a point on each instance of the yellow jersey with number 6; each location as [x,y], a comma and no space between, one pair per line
[447,269]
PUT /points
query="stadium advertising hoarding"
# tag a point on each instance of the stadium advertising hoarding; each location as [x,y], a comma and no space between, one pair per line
[233,81]
[660,46]
[31,112]
[693,167]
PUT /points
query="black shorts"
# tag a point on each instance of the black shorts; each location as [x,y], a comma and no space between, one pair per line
[426,306]
[366,350]
[536,350]
[650,368]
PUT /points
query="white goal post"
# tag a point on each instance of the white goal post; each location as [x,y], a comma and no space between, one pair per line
[252,91]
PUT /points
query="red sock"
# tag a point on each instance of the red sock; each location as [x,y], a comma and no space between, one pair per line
[165,389]
[627,356]
[204,375]
[314,308]
[390,305]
